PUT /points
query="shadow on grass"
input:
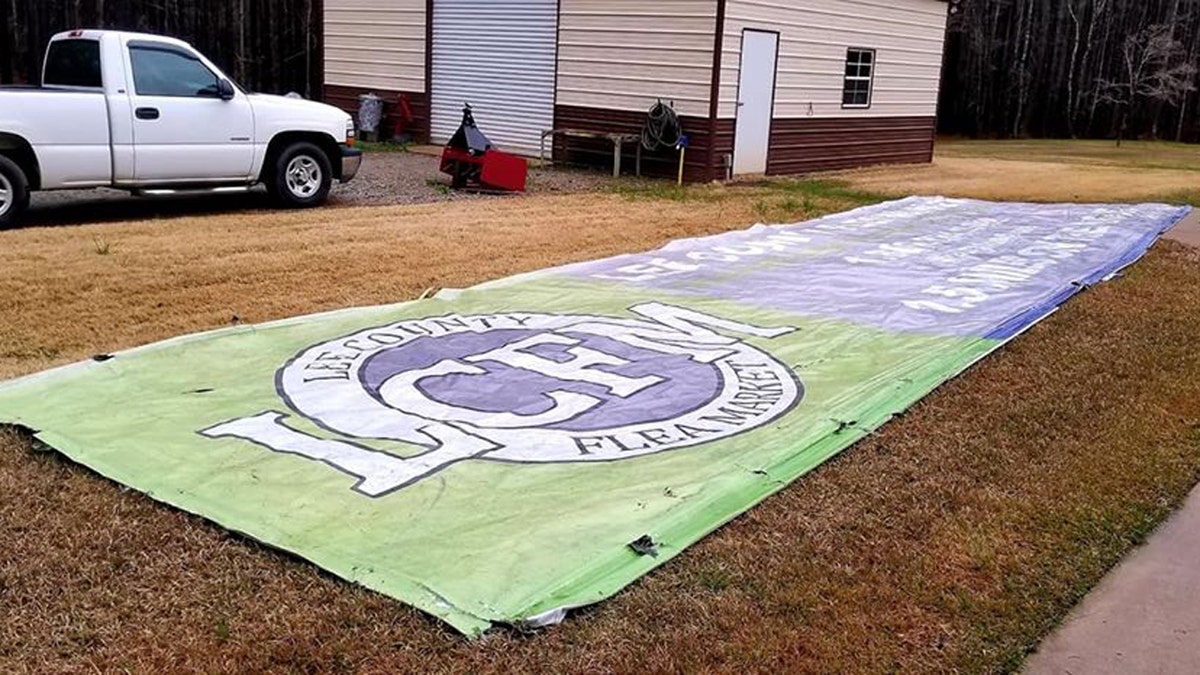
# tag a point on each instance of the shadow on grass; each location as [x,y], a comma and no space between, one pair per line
[85,208]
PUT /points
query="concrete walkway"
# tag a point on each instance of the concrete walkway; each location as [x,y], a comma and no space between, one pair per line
[1187,231]
[1144,617]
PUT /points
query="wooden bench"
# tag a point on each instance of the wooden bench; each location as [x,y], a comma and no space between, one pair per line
[618,141]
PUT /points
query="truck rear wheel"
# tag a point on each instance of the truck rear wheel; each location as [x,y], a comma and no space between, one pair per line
[301,176]
[14,193]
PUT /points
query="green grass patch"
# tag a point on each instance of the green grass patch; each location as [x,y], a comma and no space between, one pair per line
[1188,197]
[771,200]
[813,189]
[663,190]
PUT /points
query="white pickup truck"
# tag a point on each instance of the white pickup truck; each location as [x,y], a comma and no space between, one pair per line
[150,114]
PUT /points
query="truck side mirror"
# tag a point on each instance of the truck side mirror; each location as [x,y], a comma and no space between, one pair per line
[225,90]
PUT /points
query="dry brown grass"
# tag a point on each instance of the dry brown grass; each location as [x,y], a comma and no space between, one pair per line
[71,292]
[952,540]
[1130,154]
[1044,171]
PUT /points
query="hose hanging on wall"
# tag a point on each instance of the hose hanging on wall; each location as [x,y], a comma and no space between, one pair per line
[662,128]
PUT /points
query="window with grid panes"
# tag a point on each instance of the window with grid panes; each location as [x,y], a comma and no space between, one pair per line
[860,70]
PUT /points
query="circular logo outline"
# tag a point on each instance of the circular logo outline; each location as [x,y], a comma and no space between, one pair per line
[342,405]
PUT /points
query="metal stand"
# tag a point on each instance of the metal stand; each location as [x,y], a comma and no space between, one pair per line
[618,141]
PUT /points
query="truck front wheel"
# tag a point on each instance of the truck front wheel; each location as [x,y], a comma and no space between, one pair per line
[14,192]
[301,176]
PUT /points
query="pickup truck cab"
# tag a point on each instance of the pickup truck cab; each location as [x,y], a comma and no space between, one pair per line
[150,114]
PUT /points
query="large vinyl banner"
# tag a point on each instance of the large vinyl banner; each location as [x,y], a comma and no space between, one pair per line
[504,453]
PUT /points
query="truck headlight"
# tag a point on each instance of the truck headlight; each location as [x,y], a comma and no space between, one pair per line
[350,133]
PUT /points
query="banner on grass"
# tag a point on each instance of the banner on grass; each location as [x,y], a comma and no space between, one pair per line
[507,452]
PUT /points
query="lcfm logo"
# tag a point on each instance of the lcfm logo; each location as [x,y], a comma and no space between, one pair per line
[524,388]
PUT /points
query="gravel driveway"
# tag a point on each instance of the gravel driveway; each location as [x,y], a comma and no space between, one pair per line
[413,178]
[385,178]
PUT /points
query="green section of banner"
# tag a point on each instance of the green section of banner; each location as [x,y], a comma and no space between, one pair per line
[479,541]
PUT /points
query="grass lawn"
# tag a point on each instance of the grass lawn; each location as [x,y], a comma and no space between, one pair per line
[1045,171]
[954,539]
[1130,154]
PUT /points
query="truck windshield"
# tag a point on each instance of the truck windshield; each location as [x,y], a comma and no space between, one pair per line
[73,63]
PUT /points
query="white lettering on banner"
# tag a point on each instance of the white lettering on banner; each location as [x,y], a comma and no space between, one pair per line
[779,240]
[783,241]
[577,369]
[977,253]
[568,388]
[378,472]
[978,283]
[648,271]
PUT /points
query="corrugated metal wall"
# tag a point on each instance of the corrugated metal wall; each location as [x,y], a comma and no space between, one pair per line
[497,55]
[375,44]
[624,55]
[814,37]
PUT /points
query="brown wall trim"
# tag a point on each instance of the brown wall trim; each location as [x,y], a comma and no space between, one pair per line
[723,147]
[806,145]
[346,98]
[715,91]
[664,163]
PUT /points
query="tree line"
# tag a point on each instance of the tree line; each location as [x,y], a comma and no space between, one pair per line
[1054,68]
[1073,68]
[272,46]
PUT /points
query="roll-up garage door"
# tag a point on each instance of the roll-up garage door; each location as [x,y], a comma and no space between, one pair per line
[499,56]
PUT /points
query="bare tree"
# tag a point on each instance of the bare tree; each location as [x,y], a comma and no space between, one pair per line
[1153,69]
[1171,87]
[1099,12]
[254,40]
[1025,33]
[1033,67]
[1076,38]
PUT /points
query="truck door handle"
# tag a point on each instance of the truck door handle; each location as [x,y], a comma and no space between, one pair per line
[146,113]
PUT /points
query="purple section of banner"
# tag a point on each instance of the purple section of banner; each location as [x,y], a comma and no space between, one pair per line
[499,388]
[930,265]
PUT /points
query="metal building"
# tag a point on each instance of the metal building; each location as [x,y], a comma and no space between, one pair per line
[762,86]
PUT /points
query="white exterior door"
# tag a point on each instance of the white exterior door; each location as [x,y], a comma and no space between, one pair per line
[499,56]
[756,98]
